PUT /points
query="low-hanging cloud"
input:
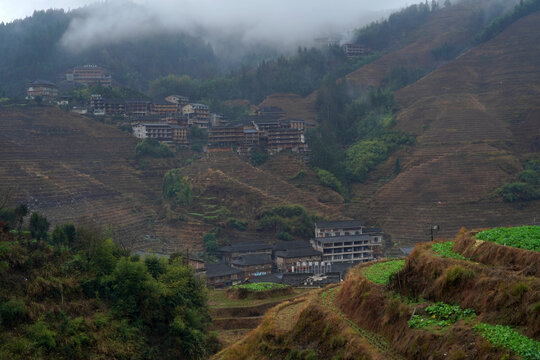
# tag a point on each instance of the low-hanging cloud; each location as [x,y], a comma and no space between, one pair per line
[283,23]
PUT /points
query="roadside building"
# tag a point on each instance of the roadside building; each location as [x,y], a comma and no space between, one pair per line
[253,265]
[164,108]
[44,89]
[347,241]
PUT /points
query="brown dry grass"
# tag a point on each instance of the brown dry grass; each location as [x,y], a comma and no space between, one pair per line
[497,295]
[295,106]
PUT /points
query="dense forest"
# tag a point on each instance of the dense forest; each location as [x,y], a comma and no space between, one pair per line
[71,293]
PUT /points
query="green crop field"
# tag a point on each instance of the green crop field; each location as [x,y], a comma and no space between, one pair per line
[380,273]
[445,250]
[524,237]
[260,286]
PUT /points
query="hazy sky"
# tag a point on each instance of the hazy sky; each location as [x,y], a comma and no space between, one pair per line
[286,22]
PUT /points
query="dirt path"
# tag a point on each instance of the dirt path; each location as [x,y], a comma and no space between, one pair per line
[382,345]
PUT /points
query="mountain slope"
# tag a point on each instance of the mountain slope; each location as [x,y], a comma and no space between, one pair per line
[476,119]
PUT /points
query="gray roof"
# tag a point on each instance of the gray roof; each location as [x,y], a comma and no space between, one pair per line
[339,224]
[295,244]
[240,247]
[220,269]
[252,259]
[300,252]
[372,231]
[407,250]
[333,239]
[42,82]
[269,278]
[295,278]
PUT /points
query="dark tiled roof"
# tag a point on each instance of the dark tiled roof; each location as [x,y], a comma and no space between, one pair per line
[254,259]
[342,267]
[273,278]
[220,269]
[372,230]
[295,244]
[259,246]
[295,279]
[145,254]
[301,252]
[42,82]
[339,224]
[332,239]
[270,109]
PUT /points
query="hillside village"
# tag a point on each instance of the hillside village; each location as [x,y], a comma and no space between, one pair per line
[384,206]
[169,121]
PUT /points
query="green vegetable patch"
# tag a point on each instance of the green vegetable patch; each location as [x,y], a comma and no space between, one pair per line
[523,237]
[445,250]
[510,339]
[260,286]
[380,273]
[441,315]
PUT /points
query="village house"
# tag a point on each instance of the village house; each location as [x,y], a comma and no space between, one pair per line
[286,139]
[235,251]
[138,107]
[253,265]
[178,100]
[272,112]
[347,241]
[298,124]
[164,108]
[46,90]
[286,260]
[222,275]
[115,107]
[225,137]
[89,75]
[355,50]
[162,132]
[196,111]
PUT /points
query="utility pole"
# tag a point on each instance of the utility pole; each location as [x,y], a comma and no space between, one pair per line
[433,229]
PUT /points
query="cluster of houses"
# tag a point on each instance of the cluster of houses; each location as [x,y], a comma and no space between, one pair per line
[337,246]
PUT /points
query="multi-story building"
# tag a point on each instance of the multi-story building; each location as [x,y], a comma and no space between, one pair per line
[298,124]
[89,75]
[286,139]
[225,136]
[115,107]
[346,241]
[162,132]
[199,111]
[138,107]
[355,50]
[222,275]
[164,108]
[44,89]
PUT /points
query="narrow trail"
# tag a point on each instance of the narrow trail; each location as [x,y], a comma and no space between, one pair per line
[377,341]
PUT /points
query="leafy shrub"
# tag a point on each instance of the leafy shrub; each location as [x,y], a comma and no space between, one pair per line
[258,158]
[237,224]
[284,236]
[291,219]
[42,336]
[153,148]
[177,187]
[12,312]
[210,243]
[329,180]
[364,156]
[260,286]
[518,191]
